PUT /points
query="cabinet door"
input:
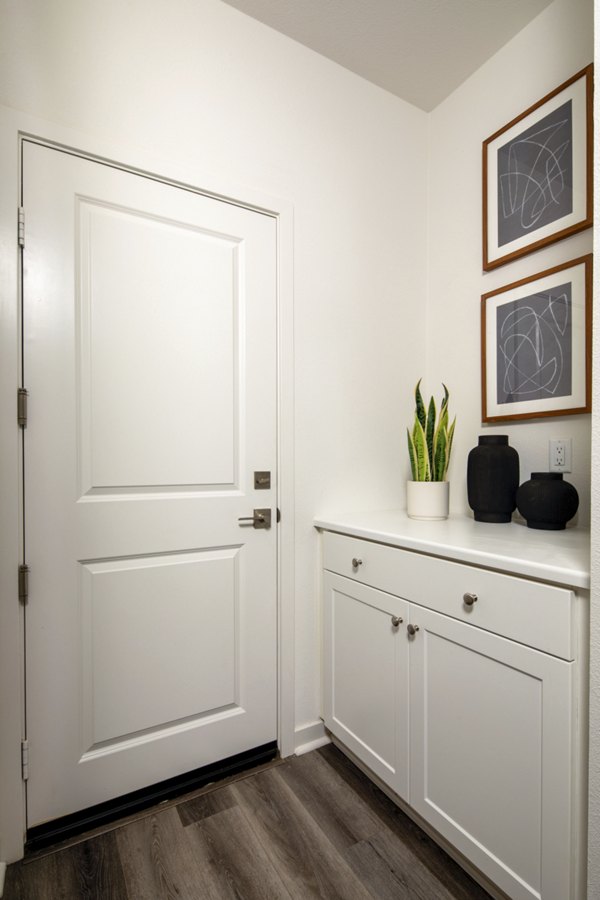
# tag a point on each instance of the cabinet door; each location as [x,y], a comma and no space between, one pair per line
[491,725]
[365,665]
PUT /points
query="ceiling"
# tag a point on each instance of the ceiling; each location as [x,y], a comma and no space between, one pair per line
[420,50]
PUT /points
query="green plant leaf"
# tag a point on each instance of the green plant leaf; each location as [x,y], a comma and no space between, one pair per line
[423,471]
[429,432]
[449,442]
[441,426]
[446,397]
[439,464]
[412,453]
[419,405]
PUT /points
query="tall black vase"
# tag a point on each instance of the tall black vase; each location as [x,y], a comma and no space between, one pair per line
[546,501]
[493,479]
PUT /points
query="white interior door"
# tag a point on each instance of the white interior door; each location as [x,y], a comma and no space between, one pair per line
[150,360]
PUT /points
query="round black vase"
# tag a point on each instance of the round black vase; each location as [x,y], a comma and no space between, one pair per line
[546,501]
[492,479]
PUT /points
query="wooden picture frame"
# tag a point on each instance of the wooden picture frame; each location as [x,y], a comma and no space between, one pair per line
[536,345]
[538,174]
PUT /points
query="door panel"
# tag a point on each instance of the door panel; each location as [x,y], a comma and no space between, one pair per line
[129,262]
[150,359]
[184,601]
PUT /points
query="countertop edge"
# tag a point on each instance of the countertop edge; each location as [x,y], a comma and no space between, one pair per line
[566,577]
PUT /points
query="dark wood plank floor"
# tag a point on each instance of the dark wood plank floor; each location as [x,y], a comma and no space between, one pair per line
[309,827]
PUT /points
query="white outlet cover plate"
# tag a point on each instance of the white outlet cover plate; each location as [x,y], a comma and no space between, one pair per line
[553,448]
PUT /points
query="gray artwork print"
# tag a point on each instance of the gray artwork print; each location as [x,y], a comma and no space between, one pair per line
[535,176]
[534,346]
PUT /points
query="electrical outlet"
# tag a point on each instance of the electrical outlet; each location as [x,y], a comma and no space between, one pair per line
[560,453]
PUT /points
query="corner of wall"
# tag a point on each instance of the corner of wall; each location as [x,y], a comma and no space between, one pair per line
[490,98]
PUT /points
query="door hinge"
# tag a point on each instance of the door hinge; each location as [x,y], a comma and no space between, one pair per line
[24,583]
[278,516]
[22,396]
[25,760]
[21,228]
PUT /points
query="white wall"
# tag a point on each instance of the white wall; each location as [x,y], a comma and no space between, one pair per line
[556,45]
[200,85]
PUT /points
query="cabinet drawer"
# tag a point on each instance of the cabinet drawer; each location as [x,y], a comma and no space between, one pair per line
[539,615]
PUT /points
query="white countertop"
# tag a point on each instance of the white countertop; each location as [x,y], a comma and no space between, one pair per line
[562,557]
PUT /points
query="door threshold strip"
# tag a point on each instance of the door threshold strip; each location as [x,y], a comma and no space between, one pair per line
[116,812]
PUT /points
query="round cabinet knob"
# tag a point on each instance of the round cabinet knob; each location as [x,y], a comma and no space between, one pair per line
[412,629]
[396,620]
[469,599]
[356,563]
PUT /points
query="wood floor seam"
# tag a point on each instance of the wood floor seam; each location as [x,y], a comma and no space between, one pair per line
[309,867]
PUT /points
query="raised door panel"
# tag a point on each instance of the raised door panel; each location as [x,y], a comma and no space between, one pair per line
[158,310]
[149,607]
[366,676]
[490,753]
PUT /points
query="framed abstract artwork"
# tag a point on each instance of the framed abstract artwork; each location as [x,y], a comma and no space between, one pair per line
[537,174]
[536,345]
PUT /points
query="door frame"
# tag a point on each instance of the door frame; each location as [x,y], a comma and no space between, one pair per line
[14,128]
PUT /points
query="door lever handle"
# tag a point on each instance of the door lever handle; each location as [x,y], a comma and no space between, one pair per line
[260,519]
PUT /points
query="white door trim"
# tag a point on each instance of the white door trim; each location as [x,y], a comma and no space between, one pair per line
[14,126]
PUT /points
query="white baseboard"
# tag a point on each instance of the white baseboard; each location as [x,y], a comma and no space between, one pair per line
[310,737]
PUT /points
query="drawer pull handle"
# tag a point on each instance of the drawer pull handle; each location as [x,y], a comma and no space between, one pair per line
[469,599]
[396,620]
[356,563]
[412,629]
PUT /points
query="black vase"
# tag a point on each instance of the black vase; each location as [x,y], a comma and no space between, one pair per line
[493,479]
[546,501]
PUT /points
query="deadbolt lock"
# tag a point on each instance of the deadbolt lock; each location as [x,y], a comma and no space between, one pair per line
[262,481]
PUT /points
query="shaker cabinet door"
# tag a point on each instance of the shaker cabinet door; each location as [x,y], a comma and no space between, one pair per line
[365,668]
[491,725]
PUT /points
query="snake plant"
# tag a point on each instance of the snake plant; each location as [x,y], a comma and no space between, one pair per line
[430,441]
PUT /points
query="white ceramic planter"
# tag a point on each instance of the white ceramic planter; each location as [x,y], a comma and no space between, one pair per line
[427,499]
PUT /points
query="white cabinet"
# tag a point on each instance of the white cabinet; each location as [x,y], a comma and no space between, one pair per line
[490,744]
[366,676]
[457,687]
